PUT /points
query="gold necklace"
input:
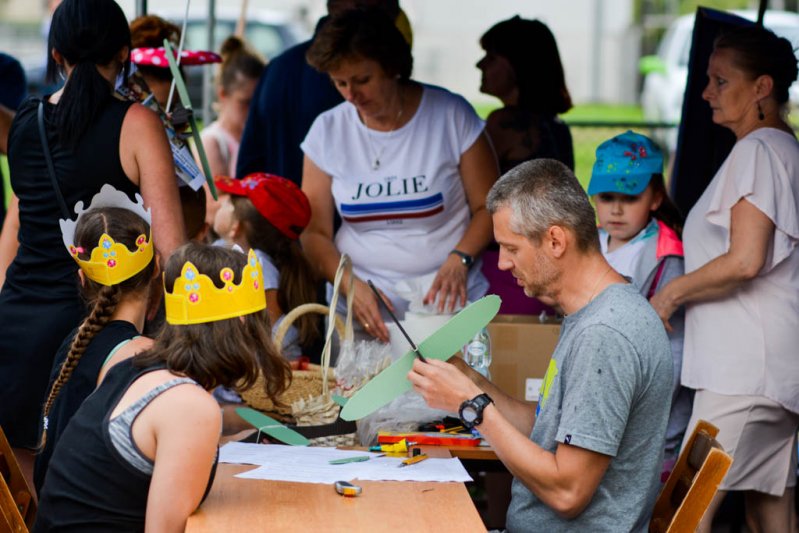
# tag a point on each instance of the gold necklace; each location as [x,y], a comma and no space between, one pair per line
[378,154]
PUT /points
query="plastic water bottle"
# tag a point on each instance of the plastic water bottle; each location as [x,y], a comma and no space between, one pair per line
[477,353]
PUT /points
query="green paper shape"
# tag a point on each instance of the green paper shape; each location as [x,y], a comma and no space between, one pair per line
[347,460]
[271,427]
[341,401]
[442,344]
[195,132]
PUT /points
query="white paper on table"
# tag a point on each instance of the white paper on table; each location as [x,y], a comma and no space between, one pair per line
[243,453]
[432,469]
[312,465]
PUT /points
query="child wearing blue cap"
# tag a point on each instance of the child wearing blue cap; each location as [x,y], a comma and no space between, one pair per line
[640,237]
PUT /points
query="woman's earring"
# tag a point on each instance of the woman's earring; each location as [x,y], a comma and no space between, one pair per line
[760,114]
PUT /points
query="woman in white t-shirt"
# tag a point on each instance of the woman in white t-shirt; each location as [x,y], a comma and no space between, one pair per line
[406,166]
[741,287]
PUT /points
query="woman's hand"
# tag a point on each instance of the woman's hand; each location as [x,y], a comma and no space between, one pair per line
[664,305]
[449,286]
[367,310]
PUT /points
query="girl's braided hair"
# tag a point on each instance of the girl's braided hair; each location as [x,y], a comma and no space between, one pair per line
[124,227]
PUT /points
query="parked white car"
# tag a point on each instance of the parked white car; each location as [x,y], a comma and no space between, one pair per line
[666,73]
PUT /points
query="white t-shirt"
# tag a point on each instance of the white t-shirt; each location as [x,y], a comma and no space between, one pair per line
[626,259]
[747,342]
[402,219]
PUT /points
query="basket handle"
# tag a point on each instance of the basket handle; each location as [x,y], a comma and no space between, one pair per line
[290,317]
[344,267]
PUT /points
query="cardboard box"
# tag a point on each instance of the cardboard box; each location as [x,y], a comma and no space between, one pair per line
[521,347]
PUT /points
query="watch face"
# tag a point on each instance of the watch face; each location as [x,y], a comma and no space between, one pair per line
[469,414]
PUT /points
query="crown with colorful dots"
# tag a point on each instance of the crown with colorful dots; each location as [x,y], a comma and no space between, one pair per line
[195,299]
[110,262]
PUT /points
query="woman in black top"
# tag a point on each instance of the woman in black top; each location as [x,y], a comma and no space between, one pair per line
[94,139]
[522,68]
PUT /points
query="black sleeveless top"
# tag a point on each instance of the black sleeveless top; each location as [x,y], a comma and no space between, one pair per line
[81,384]
[42,257]
[89,486]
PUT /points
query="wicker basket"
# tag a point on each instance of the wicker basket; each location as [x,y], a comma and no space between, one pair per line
[304,383]
[308,402]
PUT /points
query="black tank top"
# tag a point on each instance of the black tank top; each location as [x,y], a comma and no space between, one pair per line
[81,384]
[42,260]
[89,486]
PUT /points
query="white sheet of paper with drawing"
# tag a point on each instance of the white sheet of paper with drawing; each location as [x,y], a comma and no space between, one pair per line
[312,465]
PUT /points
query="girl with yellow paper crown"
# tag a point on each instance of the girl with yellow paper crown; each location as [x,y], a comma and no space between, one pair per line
[110,473]
[112,244]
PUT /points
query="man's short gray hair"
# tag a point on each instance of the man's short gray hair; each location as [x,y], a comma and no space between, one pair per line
[542,193]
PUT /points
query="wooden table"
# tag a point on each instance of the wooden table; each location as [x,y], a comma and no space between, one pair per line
[473,453]
[251,505]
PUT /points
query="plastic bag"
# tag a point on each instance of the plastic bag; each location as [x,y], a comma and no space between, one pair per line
[404,413]
[358,362]
[415,289]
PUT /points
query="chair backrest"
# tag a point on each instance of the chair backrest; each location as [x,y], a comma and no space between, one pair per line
[17,505]
[693,482]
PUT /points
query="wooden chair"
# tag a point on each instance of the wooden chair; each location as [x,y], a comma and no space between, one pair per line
[17,505]
[692,484]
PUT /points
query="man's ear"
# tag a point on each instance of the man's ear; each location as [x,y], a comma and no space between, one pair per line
[556,240]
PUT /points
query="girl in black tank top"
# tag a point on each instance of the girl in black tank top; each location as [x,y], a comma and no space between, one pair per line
[217,334]
[117,316]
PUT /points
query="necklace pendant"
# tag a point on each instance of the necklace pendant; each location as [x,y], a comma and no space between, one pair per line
[376,164]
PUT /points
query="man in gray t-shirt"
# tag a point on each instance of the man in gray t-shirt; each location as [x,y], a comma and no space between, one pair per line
[590,458]
[607,390]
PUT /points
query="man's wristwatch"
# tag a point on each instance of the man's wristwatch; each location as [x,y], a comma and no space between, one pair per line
[466,259]
[471,411]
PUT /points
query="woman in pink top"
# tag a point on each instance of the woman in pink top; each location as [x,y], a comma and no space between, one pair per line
[741,287]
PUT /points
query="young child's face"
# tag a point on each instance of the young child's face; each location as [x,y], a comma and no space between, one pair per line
[623,216]
[225,217]
[236,104]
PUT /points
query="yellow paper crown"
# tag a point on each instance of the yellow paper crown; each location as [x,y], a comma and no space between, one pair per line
[111,262]
[195,299]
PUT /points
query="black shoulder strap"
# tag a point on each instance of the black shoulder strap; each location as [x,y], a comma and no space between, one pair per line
[49,159]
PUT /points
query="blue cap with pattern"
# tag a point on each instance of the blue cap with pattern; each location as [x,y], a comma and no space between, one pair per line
[625,164]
